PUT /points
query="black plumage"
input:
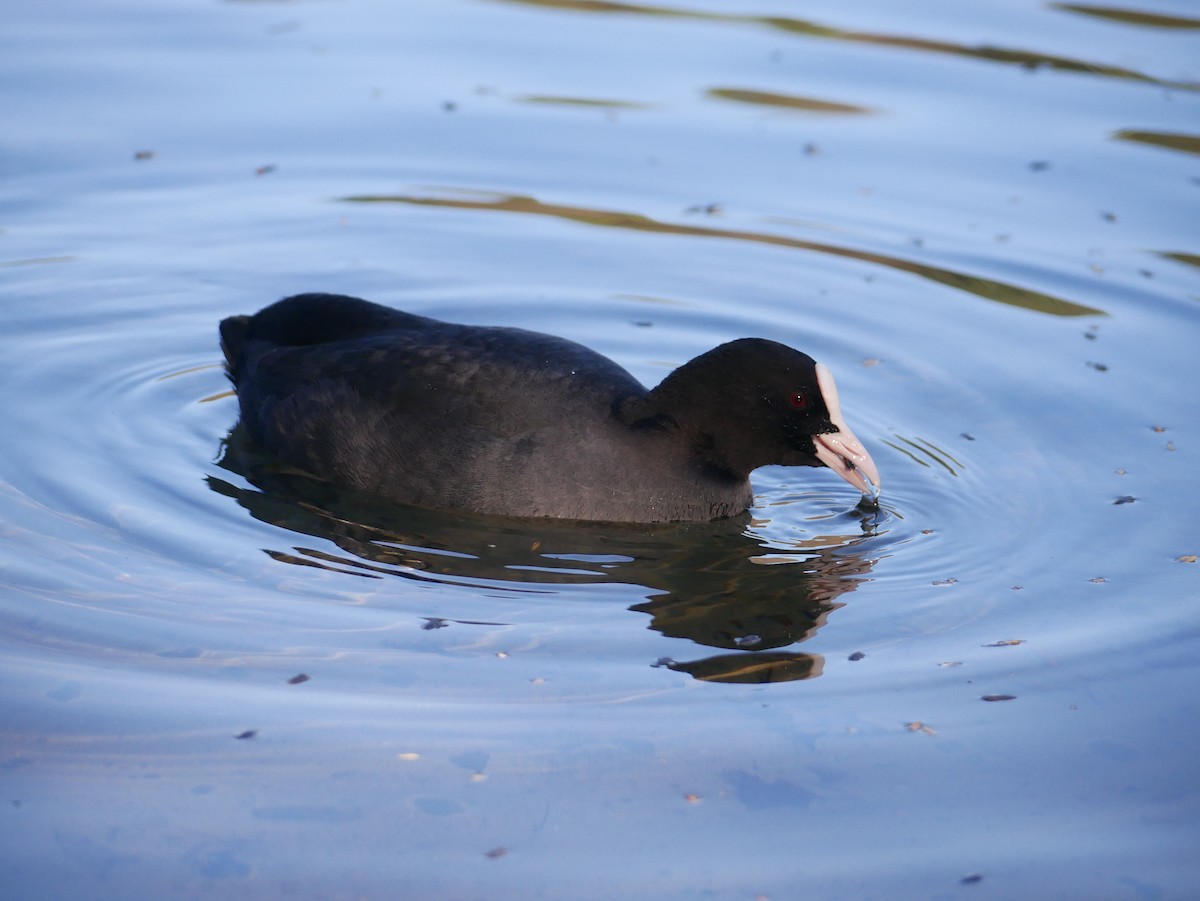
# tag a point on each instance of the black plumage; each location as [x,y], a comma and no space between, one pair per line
[513,422]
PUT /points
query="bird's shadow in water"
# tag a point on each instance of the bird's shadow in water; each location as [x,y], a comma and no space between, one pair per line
[710,583]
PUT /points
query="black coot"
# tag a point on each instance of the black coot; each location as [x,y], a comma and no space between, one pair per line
[517,423]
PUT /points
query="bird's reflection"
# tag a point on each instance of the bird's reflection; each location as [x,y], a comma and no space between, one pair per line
[705,582]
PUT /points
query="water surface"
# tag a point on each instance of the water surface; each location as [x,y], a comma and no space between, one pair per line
[219,679]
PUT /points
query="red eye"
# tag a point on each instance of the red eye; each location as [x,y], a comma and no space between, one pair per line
[799,400]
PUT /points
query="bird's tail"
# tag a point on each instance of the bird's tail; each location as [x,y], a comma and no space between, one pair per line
[233,344]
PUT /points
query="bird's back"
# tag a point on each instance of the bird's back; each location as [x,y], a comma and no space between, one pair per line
[429,412]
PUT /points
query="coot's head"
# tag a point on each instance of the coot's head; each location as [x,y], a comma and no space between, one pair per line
[755,402]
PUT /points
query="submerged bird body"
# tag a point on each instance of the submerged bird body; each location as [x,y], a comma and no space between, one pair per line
[512,422]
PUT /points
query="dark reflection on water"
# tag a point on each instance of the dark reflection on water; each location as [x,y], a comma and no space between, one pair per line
[785,101]
[1165,139]
[1028,59]
[971,284]
[924,453]
[1188,259]
[707,582]
[584,102]
[757,669]
[1130,16]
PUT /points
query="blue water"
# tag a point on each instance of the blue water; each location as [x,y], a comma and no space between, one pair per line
[981,217]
